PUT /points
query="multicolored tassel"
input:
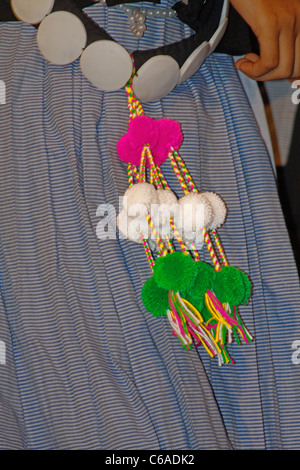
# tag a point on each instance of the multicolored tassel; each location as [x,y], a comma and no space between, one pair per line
[211,324]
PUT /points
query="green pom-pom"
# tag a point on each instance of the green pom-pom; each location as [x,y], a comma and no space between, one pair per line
[155,298]
[248,288]
[206,314]
[203,282]
[232,285]
[176,271]
[197,303]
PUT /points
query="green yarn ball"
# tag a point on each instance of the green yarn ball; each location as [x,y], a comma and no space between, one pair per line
[206,314]
[175,271]
[232,285]
[155,298]
[203,282]
[198,303]
[248,288]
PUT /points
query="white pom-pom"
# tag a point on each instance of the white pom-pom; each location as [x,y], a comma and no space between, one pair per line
[140,194]
[133,228]
[166,209]
[197,212]
[166,196]
[219,210]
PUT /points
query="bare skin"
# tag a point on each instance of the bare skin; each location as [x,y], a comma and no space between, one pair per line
[276,24]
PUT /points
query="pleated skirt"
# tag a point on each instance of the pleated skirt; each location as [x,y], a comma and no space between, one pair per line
[86,366]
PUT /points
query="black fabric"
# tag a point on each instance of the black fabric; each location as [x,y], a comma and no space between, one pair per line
[238,39]
[202,17]
[6,13]
[180,51]
[199,13]
[84,3]
[111,3]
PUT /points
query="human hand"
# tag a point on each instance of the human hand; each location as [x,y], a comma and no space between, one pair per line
[276,24]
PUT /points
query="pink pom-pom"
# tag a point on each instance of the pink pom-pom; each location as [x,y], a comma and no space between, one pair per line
[143,130]
[170,134]
[161,135]
[126,152]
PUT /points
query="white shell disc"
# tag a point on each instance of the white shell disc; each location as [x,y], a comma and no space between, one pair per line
[31,11]
[61,37]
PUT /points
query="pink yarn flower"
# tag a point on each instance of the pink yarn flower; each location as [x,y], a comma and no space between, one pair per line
[161,135]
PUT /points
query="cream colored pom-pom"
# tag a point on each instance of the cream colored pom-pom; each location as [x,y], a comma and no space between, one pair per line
[166,209]
[140,194]
[197,212]
[219,210]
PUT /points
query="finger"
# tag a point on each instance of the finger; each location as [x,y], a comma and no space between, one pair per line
[244,60]
[257,66]
[286,62]
[248,57]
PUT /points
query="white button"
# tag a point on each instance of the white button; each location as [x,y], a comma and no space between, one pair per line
[156,78]
[194,62]
[61,37]
[31,11]
[106,64]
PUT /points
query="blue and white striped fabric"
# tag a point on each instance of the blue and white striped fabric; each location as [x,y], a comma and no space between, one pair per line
[86,366]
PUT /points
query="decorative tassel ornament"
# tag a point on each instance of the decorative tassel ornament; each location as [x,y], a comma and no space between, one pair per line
[199,300]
